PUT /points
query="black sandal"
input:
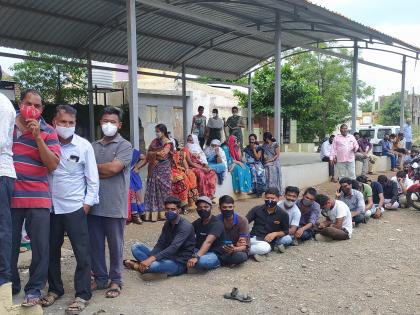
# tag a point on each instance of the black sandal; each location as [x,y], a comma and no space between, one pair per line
[113,292]
[236,295]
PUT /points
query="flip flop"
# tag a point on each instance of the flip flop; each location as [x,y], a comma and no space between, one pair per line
[49,299]
[31,300]
[236,295]
[113,293]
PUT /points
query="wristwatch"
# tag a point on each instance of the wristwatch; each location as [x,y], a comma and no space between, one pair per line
[195,255]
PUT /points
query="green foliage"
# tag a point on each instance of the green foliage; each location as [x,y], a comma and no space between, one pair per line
[57,84]
[389,113]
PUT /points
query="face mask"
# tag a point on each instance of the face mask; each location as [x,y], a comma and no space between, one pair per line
[227,213]
[109,129]
[65,132]
[204,214]
[235,114]
[270,203]
[289,203]
[214,115]
[307,202]
[30,112]
[170,215]
[158,135]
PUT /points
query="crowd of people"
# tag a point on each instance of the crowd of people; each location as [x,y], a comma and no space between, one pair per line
[55,182]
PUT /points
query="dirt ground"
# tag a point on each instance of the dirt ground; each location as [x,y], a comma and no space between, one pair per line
[376,272]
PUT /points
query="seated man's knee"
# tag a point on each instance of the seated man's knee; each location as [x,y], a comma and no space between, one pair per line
[285,240]
[208,261]
[140,251]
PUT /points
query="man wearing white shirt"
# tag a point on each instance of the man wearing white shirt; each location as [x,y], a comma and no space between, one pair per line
[7,178]
[338,224]
[403,183]
[325,156]
[288,204]
[74,189]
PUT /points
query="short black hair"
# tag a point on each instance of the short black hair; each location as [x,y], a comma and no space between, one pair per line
[345,180]
[226,199]
[310,191]
[173,200]
[67,109]
[235,107]
[392,135]
[252,135]
[355,184]
[111,110]
[215,110]
[344,125]
[272,191]
[356,134]
[332,136]
[292,189]
[362,179]
[401,174]
[400,134]
[382,179]
[322,199]
[200,107]
[29,91]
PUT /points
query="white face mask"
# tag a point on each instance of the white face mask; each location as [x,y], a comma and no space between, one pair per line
[235,114]
[109,129]
[158,135]
[65,132]
[214,115]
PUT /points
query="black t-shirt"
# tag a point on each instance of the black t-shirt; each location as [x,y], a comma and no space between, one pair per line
[265,223]
[214,227]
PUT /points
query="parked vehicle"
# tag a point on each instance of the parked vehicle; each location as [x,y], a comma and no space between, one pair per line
[376,132]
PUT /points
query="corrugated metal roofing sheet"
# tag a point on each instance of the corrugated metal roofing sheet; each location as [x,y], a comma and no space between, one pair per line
[166,38]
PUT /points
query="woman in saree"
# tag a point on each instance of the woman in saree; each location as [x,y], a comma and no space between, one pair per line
[271,157]
[253,158]
[184,181]
[217,160]
[159,183]
[206,177]
[241,175]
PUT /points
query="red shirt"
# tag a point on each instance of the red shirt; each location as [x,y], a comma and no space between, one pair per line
[31,186]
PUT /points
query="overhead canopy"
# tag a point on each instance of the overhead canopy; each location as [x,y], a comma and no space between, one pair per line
[212,38]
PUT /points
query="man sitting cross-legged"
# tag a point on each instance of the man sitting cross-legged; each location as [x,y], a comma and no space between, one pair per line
[288,204]
[338,224]
[271,223]
[236,233]
[172,250]
[354,200]
[209,234]
[310,212]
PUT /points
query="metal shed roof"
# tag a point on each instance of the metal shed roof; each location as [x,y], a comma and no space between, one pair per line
[213,38]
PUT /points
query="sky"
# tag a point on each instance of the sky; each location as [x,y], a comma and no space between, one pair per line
[396,18]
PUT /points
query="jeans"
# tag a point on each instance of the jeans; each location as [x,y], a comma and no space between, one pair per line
[286,240]
[6,189]
[236,258]
[38,229]
[408,145]
[360,218]
[306,235]
[208,261]
[111,229]
[75,224]
[393,159]
[172,268]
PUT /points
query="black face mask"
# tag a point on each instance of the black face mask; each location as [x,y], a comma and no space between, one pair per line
[203,214]
[270,203]
[227,214]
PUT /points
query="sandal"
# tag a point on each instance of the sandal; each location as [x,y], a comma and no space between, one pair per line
[77,306]
[131,264]
[236,295]
[49,299]
[31,300]
[113,292]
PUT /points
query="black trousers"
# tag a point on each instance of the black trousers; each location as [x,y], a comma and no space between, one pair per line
[75,224]
[330,166]
[236,258]
[201,140]
[6,189]
[38,229]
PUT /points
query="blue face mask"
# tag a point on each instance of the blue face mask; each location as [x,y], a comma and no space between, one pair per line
[170,215]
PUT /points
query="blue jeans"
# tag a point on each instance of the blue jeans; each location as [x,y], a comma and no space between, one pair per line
[208,261]
[286,240]
[393,159]
[6,189]
[172,268]
[306,235]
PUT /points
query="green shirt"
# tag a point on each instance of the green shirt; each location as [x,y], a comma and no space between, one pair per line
[366,191]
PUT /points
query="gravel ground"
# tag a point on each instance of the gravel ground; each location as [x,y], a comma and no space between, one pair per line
[376,272]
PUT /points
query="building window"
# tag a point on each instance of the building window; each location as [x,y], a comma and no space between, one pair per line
[151,114]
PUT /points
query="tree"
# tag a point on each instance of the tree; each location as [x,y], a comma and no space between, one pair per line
[389,113]
[364,93]
[56,83]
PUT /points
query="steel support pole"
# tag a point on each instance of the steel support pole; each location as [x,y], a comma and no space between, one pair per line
[133,95]
[92,126]
[402,96]
[354,87]
[250,123]
[184,105]
[277,87]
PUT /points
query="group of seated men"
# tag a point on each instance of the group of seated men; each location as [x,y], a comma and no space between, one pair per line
[225,238]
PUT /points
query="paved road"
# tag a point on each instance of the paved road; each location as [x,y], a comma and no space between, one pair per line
[293,158]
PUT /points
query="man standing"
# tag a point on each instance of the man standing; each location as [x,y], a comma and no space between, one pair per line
[288,204]
[214,127]
[74,189]
[325,156]
[310,212]
[338,225]
[271,223]
[36,153]
[106,220]
[198,127]
[209,233]
[408,135]
[7,179]
[342,153]
[235,125]
[354,200]
[236,245]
